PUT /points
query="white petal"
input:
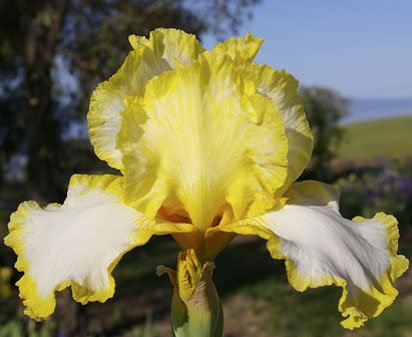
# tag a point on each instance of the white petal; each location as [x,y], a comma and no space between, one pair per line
[76,244]
[323,248]
[323,244]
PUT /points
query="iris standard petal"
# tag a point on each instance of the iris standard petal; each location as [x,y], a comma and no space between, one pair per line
[150,57]
[241,50]
[282,89]
[172,46]
[323,248]
[77,244]
[201,143]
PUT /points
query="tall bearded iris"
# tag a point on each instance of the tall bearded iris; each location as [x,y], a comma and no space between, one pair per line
[208,145]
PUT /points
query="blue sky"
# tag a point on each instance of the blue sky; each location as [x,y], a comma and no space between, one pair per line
[361,48]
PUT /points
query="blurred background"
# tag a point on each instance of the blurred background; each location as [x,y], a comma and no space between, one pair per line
[353,60]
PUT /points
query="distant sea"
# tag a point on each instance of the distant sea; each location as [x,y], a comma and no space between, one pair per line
[363,109]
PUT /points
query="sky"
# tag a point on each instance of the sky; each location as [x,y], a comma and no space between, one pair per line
[361,48]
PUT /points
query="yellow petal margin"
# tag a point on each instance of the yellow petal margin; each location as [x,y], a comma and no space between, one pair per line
[322,248]
[76,244]
[150,57]
[371,304]
[241,50]
[171,45]
[282,88]
[202,142]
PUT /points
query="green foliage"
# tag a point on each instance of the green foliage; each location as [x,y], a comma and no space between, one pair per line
[148,330]
[379,138]
[324,109]
[21,326]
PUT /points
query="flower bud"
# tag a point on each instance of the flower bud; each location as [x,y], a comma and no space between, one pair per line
[196,309]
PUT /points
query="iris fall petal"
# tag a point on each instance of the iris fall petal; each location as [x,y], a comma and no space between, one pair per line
[76,244]
[323,248]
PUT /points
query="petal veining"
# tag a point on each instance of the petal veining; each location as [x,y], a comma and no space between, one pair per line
[76,244]
[323,248]
[202,141]
[150,57]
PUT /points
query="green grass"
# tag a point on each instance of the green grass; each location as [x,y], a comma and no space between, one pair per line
[314,313]
[379,138]
[245,270]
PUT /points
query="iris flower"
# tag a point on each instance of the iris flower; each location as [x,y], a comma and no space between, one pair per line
[208,146]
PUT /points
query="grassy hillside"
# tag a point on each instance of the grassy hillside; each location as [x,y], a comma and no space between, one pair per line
[385,137]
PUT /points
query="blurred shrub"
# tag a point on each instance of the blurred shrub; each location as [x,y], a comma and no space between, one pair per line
[387,188]
[324,109]
[5,275]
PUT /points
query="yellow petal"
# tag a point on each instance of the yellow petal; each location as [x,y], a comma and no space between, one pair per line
[282,89]
[77,244]
[323,248]
[171,45]
[201,142]
[150,58]
[241,50]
